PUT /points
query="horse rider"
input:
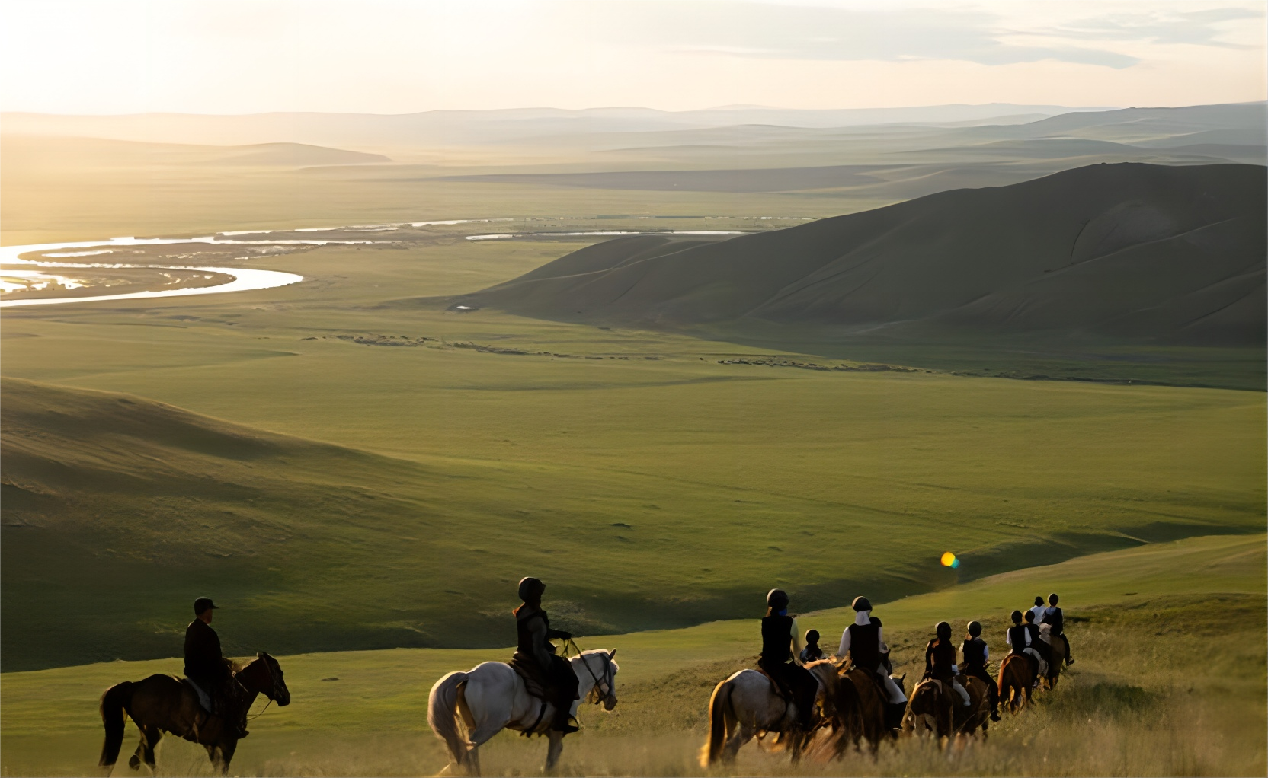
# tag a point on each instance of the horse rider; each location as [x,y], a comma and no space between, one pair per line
[1018,639]
[533,635]
[976,655]
[1052,615]
[812,652]
[1039,608]
[207,667]
[1036,639]
[779,658]
[865,644]
[940,660]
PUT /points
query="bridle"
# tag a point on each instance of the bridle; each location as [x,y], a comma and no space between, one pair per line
[602,690]
[272,681]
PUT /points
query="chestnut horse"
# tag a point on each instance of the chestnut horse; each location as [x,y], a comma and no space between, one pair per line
[1016,678]
[163,703]
[860,691]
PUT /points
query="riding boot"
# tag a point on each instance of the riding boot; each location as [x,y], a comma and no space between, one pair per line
[894,714]
[1069,660]
[992,695]
[564,722]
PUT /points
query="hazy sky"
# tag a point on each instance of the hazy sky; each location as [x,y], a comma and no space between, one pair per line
[240,56]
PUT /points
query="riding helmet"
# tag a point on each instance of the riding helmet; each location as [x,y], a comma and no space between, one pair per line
[861,604]
[1038,601]
[777,598]
[943,630]
[531,588]
[1016,617]
[1052,599]
[812,636]
[975,629]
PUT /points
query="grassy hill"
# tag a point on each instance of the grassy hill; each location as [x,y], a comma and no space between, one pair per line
[1124,253]
[1146,696]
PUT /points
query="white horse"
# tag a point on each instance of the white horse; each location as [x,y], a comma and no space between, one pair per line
[491,697]
[746,704]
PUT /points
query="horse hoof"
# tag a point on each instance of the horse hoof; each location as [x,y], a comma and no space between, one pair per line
[134,763]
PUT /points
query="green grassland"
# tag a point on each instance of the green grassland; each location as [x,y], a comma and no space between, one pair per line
[404,488]
[1169,680]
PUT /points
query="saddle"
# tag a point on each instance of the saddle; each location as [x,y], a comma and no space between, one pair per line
[777,687]
[204,698]
[534,677]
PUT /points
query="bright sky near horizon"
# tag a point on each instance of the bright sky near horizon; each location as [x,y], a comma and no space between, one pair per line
[398,56]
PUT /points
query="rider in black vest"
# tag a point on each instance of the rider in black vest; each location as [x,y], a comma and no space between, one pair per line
[1037,642]
[1053,616]
[863,641]
[940,660]
[779,644]
[533,633]
[1018,638]
[976,655]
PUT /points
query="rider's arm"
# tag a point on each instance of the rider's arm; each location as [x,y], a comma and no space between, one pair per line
[986,653]
[845,644]
[880,640]
[1008,636]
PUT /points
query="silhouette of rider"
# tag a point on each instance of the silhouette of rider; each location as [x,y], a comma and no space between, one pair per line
[864,641]
[779,658]
[1052,615]
[812,652]
[207,667]
[533,636]
[940,660]
[976,655]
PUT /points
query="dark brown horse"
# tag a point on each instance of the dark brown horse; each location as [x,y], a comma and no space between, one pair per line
[1016,678]
[163,703]
[861,710]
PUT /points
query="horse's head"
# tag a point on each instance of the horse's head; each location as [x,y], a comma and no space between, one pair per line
[264,675]
[603,676]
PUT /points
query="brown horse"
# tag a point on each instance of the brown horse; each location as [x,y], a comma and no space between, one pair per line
[861,709]
[1016,678]
[977,715]
[1056,650]
[162,703]
[931,709]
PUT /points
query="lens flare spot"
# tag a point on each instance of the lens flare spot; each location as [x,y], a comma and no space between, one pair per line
[949,560]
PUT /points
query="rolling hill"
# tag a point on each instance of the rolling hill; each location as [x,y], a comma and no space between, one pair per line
[1130,252]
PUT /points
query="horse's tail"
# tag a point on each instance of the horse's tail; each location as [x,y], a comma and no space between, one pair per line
[442,714]
[114,704]
[719,710]
[849,711]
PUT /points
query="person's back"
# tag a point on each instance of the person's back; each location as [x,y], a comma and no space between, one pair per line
[864,642]
[976,656]
[1056,621]
[812,652]
[940,658]
[780,646]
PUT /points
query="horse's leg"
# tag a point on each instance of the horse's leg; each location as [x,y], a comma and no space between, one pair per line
[743,733]
[150,736]
[226,754]
[553,750]
[473,760]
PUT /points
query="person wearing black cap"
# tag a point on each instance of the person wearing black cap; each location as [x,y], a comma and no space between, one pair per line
[533,636]
[865,643]
[976,656]
[1038,609]
[1052,615]
[207,667]
[780,657]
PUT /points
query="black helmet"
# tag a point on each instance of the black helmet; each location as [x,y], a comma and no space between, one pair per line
[812,636]
[202,605]
[531,588]
[1029,617]
[777,598]
[1016,617]
[1038,601]
[1052,599]
[975,629]
[943,630]
[861,604]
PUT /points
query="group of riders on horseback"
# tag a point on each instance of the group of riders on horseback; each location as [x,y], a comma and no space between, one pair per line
[863,642]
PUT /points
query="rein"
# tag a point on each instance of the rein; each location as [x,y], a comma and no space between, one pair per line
[597,683]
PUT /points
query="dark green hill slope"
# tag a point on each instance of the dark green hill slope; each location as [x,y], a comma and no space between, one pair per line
[1139,253]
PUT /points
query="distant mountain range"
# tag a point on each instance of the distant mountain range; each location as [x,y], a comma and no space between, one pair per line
[1141,253]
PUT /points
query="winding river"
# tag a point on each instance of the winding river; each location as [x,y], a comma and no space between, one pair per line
[242,279]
